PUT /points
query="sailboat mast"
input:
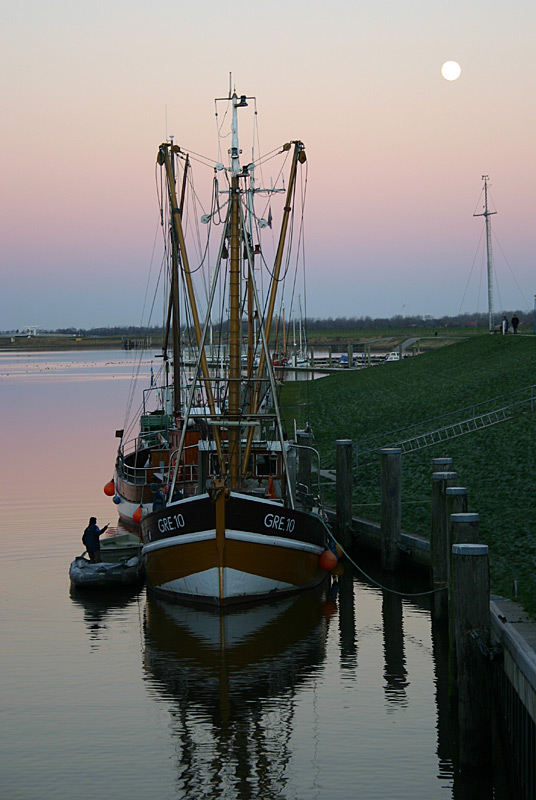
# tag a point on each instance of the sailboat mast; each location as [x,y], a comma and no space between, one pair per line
[486,216]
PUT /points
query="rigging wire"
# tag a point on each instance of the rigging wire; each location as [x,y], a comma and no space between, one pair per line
[301,236]
[525,300]
[477,251]
[127,425]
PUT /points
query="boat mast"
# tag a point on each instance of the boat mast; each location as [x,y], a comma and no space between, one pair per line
[297,156]
[174,299]
[165,160]
[486,214]
[173,306]
[234,435]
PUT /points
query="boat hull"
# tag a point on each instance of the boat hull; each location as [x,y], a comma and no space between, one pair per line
[233,550]
[129,497]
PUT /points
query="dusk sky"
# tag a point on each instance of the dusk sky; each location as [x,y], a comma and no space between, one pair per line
[396,153]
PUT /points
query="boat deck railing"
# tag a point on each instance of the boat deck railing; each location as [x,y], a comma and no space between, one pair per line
[133,458]
[308,477]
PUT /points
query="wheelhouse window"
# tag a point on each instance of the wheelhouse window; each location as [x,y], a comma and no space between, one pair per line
[266,465]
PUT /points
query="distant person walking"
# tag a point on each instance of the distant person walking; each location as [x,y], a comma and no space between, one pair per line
[515,323]
[504,325]
[90,540]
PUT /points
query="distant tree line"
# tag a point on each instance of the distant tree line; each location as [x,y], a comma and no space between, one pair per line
[476,320]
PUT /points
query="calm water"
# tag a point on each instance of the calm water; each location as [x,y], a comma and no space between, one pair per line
[129,697]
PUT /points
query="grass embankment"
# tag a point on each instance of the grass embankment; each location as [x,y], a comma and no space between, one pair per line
[496,464]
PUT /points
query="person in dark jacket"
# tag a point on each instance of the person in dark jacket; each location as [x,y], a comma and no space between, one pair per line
[90,540]
[515,322]
[159,498]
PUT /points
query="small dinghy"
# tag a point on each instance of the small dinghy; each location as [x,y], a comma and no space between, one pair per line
[126,572]
[121,565]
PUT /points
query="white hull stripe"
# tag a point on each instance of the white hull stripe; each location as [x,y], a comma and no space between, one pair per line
[172,541]
[274,541]
[240,536]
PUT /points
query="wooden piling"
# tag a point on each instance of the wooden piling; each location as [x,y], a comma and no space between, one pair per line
[441,464]
[343,490]
[465,528]
[471,636]
[456,500]
[456,504]
[391,509]
[439,547]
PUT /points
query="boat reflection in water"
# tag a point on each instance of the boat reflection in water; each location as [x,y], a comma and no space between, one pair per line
[233,677]
[105,608]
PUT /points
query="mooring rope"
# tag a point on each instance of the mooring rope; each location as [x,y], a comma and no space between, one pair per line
[369,577]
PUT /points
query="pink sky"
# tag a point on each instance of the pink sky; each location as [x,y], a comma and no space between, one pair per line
[395,152]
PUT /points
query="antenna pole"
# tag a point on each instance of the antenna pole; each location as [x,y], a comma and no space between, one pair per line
[487,215]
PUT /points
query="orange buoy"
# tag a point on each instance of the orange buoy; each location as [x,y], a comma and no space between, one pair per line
[137,514]
[328,561]
[109,489]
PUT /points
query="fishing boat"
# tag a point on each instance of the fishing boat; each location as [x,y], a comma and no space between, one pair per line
[228,504]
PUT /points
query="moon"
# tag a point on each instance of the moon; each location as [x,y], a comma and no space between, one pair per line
[451,70]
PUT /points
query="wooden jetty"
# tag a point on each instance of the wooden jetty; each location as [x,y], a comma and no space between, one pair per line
[492,642]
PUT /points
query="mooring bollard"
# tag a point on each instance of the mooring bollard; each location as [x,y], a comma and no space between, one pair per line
[439,546]
[343,489]
[471,638]
[391,511]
